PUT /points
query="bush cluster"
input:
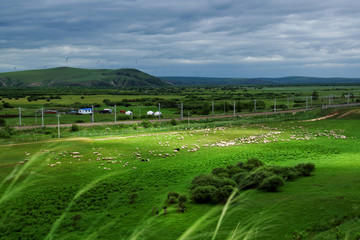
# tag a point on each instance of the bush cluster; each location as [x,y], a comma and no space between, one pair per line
[253,174]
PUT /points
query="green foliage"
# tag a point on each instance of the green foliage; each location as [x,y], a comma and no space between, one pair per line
[7,105]
[146,123]
[7,132]
[252,163]
[272,183]
[305,169]
[173,122]
[2,122]
[173,197]
[74,128]
[244,175]
[203,194]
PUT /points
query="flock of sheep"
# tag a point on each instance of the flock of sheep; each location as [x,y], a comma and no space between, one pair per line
[172,144]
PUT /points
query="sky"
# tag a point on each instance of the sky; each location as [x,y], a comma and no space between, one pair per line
[203,38]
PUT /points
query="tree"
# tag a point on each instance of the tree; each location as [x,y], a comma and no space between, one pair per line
[315,95]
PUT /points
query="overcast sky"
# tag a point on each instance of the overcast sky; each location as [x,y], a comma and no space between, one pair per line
[213,38]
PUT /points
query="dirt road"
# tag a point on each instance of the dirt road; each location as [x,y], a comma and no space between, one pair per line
[165,120]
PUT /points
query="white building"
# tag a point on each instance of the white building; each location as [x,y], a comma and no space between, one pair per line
[85,111]
[128,113]
[150,113]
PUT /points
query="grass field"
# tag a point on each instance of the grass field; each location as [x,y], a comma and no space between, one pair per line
[46,193]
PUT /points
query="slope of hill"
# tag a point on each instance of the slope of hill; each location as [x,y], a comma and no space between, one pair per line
[190,81]
[66,76]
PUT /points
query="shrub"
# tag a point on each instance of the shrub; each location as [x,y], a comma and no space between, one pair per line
[146,123]
[182,199]
[7,105]
[4,134]
[240,177]
[272,183]
[232,170]
[203,194]
[305,169]
[74,128]
[222,194]
[172,197]
[79,121]
[219,170]
[252,163]
[123,117]
[287,173]
[205,180]
[2,122]
[135,126]
[173,122]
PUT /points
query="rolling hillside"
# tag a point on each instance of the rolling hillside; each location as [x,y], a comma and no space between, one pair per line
[66,76]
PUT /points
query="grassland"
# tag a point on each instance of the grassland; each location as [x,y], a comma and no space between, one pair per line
[53,195]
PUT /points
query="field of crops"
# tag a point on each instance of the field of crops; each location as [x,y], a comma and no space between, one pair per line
[112,187]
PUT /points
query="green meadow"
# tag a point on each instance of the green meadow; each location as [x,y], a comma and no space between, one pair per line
[111,187]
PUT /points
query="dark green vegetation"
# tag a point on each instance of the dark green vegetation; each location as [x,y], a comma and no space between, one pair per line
[252,174]
[95,188]
[66,76]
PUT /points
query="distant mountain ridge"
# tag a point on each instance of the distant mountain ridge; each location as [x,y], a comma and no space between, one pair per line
[66,76]
[193,81]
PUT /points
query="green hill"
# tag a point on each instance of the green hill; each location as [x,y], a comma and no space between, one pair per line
[66,76]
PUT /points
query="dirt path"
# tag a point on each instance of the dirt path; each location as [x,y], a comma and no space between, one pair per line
[321,118]
[345,114]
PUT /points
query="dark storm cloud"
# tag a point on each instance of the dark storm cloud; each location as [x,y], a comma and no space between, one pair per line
[207,38]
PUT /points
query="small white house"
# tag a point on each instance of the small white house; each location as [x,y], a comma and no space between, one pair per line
[85,111]
[128,113]
[150,113]
[157,113]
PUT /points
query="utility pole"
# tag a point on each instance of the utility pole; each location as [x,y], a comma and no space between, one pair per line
[224,108]
[42,117]
[115,113]
[188,119]
[234,110]
[35,117]
[182,111]
[329,101]
[159,111]
[306,102]
[288,103]
[212,107]
[58,115]
[348,98]
[311,101]
[20,116]
[255,105]
[92,113]
[275,105]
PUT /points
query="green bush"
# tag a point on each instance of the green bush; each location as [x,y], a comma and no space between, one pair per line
[205,180]
[7,105]
[272,183]
[2,122]
[74,128]
[222,194]
[173,197]
[241,177]
[232,170]
[146,123]
[252,163]
[219,170]
[203,194]
[305,169]
[173,122]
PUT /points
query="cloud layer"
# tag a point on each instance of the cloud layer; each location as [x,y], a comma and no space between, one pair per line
[220,38]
